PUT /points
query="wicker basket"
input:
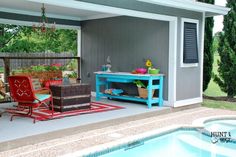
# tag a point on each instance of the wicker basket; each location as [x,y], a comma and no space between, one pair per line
[143,92]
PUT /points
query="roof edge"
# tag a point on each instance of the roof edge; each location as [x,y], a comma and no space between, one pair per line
[192,6]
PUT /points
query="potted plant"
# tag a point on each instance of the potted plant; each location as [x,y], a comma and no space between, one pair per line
[72,77]
[142,89]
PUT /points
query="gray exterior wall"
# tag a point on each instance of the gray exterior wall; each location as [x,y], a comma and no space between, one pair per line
[129,41]
[188,80]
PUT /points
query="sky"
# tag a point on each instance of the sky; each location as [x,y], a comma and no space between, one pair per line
[218,20]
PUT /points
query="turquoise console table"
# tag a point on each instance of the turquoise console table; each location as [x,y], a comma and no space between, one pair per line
[105,78]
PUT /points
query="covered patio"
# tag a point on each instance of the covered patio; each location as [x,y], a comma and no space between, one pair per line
[67,16]
[130,36]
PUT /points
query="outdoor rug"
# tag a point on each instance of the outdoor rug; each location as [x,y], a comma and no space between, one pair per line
[45,114]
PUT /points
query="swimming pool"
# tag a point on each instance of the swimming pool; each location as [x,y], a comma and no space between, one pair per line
[185,142]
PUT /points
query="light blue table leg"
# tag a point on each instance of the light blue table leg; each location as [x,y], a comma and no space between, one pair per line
[97,88]
[108,85]
[161,92]
[149,103]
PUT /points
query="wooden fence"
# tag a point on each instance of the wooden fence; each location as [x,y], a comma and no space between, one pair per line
[21,63]
[14,62]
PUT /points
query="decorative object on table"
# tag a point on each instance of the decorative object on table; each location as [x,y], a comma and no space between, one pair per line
[148,63]
[142,89]
[114,91]
[44,113]
[108,65]
[151,69]
[104,68]
[141,71]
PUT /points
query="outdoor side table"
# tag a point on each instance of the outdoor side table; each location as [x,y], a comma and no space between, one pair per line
[71,96]
[106,78]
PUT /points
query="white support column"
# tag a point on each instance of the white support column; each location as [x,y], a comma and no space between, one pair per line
[79,42]
[79,47]
[202,52]
[172,63]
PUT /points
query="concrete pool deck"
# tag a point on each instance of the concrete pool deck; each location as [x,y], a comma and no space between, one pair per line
[92,137]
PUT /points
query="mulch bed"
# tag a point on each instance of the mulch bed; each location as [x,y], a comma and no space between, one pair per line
[220,98]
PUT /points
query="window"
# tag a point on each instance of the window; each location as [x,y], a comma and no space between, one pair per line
[189,45]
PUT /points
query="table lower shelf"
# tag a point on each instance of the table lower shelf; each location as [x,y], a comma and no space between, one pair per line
[131,98]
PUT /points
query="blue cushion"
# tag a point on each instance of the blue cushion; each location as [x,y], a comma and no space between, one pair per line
[41,97]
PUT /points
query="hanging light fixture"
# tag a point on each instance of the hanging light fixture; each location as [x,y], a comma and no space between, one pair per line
[44,26]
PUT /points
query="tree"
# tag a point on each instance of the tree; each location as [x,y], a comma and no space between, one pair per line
[24,39]
[227,52]
[215,43]
[7,33]
[208,48]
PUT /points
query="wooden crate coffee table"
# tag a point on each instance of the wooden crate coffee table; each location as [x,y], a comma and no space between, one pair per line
[71,96]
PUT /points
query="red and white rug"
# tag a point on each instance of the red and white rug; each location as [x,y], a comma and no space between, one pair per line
[45,114]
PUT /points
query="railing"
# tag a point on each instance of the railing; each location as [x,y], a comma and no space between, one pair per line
[21,63]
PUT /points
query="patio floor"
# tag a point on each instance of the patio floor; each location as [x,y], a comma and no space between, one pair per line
[25,126]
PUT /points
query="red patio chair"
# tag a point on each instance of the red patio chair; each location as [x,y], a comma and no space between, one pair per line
[21,90]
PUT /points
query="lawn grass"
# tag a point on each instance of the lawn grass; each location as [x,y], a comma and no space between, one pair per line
[213,88]
[215,91]
[219,104]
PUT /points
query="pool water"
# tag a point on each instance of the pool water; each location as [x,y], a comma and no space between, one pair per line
[183,143]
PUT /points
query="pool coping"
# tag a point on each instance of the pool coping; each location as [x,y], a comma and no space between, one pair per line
[201,121]
[120,143]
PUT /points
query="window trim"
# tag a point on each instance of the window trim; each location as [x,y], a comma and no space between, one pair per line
[182,64]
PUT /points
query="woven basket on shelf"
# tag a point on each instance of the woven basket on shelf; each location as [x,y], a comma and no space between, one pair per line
[143,92]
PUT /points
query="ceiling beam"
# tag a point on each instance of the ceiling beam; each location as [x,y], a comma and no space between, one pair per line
[34,13]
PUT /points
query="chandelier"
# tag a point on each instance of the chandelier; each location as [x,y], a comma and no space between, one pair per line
[43,25]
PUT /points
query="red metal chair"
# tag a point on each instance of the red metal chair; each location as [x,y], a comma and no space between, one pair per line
[22,91]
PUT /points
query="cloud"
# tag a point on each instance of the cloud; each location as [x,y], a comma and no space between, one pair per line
[218,20]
